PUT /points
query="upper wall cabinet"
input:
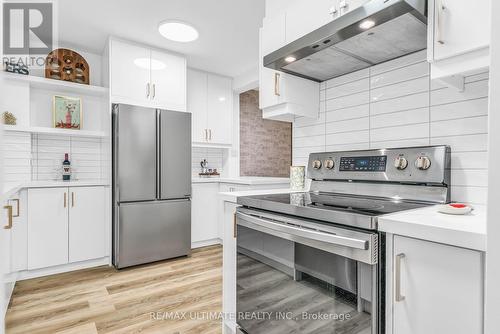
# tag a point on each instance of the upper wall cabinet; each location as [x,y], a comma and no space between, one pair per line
[146,77]
[281,96]
[459,37]
[319,13]
[210,100]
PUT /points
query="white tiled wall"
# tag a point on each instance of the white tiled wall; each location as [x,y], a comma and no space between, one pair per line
[395,104]
[34,157]
[214,156]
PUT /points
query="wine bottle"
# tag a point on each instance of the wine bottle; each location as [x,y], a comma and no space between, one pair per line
[66,168]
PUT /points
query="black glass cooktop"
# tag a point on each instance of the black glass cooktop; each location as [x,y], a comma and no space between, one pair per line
[338,202]
[342,209]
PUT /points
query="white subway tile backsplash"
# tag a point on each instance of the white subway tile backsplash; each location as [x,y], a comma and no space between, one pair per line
[400,89]
[412,131]
[354,76]
[414,71]
[349,125]
[468,108]
[402,107]
[462,126]
[408,102]
[348,89]
[348,101]
[463,143]
[354,137]
[348,113]
[412,116]
[214,156]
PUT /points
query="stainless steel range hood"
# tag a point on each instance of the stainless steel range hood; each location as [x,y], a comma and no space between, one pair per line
[379,31]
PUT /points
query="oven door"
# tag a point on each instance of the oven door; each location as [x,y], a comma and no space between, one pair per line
[302,276]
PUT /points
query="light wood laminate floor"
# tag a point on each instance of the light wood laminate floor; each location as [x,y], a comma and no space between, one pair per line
[104,300]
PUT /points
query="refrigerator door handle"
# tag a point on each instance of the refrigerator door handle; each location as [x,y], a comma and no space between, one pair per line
[158,154]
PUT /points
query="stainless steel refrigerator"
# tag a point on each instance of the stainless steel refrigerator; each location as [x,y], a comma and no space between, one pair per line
[151,185]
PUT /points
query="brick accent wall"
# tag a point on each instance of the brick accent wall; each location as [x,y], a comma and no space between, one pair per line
[265,145]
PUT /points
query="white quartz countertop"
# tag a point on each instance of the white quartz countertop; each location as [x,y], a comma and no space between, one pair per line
[12,188]
[468,231]
[242,180]
[233,196]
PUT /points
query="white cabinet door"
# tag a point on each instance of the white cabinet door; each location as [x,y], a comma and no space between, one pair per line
[220,109]
[459,26]
[319,13]
[345,6]
[47,227]
[273,33]
[87,226]
[5,259]
[168,81]
[439,283]
[197,104]
[204,214]
[19,232]
[130,72]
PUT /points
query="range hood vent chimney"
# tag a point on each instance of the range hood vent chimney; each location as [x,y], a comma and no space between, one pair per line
[379,31]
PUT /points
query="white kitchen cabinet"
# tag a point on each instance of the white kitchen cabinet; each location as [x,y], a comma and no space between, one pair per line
[130,73]
[168,90]
[229,265]
[283,96]
[197,104]
[204,214]
[47,227]
[19,231]
[5,262]
[65,225]
[459,36]
[87,228]
[440,289]
[319,13]
[145,77]
[220,109]
[210,100]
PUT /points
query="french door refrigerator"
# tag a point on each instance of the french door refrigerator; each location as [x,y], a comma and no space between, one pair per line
[151,184]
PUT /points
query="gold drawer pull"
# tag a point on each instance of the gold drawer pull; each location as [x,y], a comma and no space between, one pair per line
[9,221]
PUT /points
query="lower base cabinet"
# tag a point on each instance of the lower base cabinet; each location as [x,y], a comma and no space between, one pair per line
[204,214]
[65,225]
[436,288]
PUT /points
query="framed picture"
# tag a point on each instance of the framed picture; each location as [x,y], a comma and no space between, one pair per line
[67,112]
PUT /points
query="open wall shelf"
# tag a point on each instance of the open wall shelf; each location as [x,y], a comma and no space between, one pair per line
[54,131]
[57,85]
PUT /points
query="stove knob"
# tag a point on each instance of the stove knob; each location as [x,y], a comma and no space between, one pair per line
[316,164]
[423,163]
[401,163]
[329,164]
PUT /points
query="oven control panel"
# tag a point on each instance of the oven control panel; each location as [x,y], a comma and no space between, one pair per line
[429,164]
[363,164]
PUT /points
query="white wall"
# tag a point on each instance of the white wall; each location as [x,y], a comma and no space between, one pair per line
[493,245]
[395,104]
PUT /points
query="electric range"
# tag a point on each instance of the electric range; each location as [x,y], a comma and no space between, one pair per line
[318,255]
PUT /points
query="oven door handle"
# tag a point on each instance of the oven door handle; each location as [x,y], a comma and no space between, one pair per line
[304,233]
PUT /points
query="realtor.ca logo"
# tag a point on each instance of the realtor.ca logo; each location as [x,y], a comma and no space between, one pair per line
[28,31]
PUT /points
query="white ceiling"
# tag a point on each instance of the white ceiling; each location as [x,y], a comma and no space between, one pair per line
[229,29]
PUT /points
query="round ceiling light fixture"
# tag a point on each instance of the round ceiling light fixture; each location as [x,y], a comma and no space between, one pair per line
[178,31]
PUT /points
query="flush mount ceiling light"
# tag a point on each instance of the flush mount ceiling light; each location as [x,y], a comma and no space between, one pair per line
[149,64]
[178,31]
[367,24]
[290,59]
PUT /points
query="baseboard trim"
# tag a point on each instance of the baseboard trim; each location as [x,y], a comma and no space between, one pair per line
[27,274]
[205,243]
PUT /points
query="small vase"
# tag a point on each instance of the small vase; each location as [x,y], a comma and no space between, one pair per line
[297,177]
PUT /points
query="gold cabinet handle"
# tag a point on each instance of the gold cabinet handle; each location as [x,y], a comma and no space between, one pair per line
[72,199]
[18,207]
[441,8]
[147,90]
[235,230]
[206,134]
[154,91]
[65,199]
[9,221]
[210,134]
[277,84]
